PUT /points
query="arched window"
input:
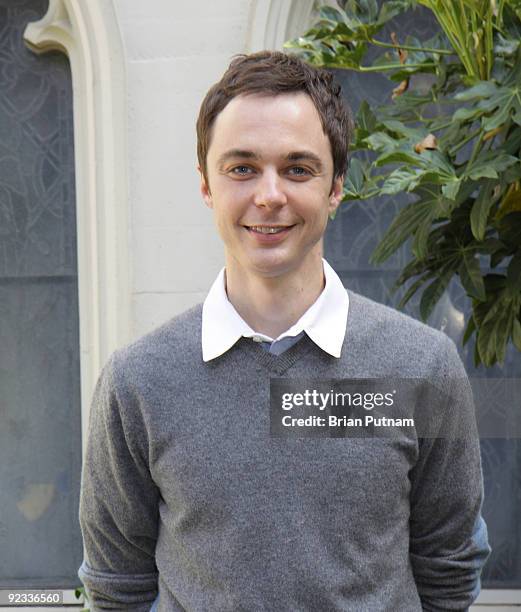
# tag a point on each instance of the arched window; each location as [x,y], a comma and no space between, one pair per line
[40,413]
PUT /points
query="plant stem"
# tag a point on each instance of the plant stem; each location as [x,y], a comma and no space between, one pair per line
[380,43]
[455,29]
[489,41]
[442,126]
[476,149]
[377,68]
[499,18]
[465,140]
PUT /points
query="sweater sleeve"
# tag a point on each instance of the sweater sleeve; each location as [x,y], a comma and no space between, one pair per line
[118,502]
[448,536]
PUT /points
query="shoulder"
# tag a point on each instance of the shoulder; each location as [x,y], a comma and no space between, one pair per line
[409,344]
[373,316]
[177,341]
[137,377]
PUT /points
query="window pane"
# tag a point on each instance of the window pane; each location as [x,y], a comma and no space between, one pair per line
[40,419]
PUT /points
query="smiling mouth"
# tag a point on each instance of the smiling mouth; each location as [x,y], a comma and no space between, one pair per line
[268,229]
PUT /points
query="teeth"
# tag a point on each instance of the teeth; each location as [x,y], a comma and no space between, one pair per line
[267,230]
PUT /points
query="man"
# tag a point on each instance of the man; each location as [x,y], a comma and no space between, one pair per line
[187,502]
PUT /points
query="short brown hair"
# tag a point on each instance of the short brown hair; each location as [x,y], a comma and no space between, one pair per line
[273,73]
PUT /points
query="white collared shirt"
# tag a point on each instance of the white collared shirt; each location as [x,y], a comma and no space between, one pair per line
[324,321]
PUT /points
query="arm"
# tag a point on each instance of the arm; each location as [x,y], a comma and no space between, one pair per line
[118,502]
[448,537]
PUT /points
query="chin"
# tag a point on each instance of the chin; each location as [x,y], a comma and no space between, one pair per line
[271,269]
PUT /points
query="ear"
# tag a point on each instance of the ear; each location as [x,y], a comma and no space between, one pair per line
[335,197]
[205,189]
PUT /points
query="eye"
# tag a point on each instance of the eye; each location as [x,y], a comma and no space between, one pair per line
[299,171]
[241,170]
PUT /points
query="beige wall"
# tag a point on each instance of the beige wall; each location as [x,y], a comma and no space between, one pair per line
[174,52]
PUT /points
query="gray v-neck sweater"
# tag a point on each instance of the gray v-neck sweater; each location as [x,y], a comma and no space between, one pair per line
[185,493]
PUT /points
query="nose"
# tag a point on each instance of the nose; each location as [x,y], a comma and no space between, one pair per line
[269,190]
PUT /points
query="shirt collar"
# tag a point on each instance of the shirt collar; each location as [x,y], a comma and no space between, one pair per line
[324,321]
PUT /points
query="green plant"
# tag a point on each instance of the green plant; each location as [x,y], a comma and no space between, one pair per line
[450,137]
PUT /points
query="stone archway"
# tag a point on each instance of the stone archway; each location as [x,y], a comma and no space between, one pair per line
[88,33]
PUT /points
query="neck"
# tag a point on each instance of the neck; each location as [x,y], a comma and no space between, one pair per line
[271,305]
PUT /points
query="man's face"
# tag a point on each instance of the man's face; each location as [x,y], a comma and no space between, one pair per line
[270,165]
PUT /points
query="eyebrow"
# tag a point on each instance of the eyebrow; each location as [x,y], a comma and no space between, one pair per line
[305,156]
[235,153]
[293,156]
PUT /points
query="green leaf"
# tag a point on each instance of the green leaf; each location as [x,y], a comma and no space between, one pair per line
[452,134]
[489,246]
[398,156]
[480,210]
[510,175]
[355,179]
[509,230]
[489,165]
[430,206]
[413,289]
[486,336]
[496,326]
[477,358]
[514,272]
[505,46]
[470,329]
[495,283]
[506,101]
[369,8]
[363,11]
[510,203]
[420,243]
[503,331]
[438,161]
[403,225]
[329,44]
[471,277]
[483,89]
[510,23]
[515,5]
[451,189]
[412,269]
[483,171]
[496,258]
[331,13]
[432,167]
[380,141]
[464,114]
[391,9]
[365,120]
[432,294]
[411,100]
[362,17]
[516,334]
[398,127]
[401,179]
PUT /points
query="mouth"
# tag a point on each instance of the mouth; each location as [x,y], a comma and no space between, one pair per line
[268,234]
[268,230]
